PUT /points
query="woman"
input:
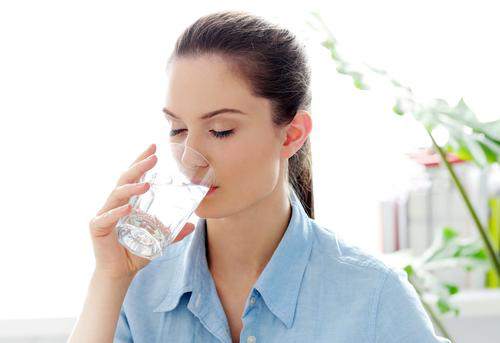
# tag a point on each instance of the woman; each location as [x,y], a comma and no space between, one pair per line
[258,268]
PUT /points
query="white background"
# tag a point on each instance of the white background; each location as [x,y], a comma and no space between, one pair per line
[81,86]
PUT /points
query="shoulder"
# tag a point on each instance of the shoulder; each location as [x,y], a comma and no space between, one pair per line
[344,274]
[353,274]
[333,253]
[388,300]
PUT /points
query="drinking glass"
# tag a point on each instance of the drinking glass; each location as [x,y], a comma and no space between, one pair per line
[179,181]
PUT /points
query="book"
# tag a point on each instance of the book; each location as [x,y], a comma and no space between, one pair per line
[388,225]
[402,241]
[418,227]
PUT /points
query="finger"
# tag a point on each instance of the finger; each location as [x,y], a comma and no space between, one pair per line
[186,230]
[150,150]
[134,173]
[103,224]
[122,194]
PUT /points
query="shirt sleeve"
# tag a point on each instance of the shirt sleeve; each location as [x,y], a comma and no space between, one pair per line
[400,315]
[122,333]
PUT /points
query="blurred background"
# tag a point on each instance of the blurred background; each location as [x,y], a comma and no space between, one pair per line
[81,90]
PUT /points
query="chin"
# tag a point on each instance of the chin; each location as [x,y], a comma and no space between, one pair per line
[207,207]
[213,207]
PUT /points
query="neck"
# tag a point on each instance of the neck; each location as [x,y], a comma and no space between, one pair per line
[239,247]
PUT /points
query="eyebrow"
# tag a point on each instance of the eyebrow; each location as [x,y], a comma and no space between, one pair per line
[209,114]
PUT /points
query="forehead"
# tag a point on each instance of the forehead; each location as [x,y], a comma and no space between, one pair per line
[201,84]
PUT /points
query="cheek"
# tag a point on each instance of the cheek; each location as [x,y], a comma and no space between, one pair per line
[246,164]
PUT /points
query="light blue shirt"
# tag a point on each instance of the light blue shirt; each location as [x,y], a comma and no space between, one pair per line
[315,288]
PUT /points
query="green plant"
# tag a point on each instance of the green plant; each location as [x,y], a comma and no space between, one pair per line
[468,138]
[448,250]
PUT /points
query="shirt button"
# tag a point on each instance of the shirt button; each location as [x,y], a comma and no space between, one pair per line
[251,339]
[252,300]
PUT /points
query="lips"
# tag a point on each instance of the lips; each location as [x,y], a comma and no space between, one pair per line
[199,182]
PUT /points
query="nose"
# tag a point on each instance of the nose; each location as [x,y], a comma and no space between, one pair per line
[192,157]
[196,166]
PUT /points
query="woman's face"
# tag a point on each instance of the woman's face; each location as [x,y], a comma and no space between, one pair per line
[244,149]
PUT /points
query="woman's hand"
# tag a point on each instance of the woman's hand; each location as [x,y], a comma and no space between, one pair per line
[112,259]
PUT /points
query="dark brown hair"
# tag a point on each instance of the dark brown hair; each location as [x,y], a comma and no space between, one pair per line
[273,62]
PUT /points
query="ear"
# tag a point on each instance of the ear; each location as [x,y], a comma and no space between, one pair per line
[296,133]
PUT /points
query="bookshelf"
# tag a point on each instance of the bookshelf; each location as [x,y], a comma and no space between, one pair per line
[410,221]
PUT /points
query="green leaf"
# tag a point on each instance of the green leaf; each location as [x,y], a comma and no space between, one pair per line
[343,68]
[439,105]
[409,270]
[356,75]
[449,233]
[334,55]
[360,85]
[403,105]
[463,111]
[452,289]
[428,119]
[491,144]
[378,71]
[460,114]
[318,18]
[491,155]
[474,250]
[475,150]
[396,109]
[328,44]
[396,83]
[443,305]
[480,255]
[462,152]
[492,130]
[453,144]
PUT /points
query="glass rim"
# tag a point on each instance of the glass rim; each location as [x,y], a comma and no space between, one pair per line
[210,172]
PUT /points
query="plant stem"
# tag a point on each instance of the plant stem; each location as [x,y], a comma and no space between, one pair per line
[431,313]
[486,239]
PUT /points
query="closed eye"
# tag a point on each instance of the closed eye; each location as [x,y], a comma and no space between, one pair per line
[217,134]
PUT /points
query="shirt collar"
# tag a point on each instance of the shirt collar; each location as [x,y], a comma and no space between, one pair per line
[278,288]
[280,281]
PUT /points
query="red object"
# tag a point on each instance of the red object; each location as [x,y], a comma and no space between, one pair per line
[431,159]
[212,189]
